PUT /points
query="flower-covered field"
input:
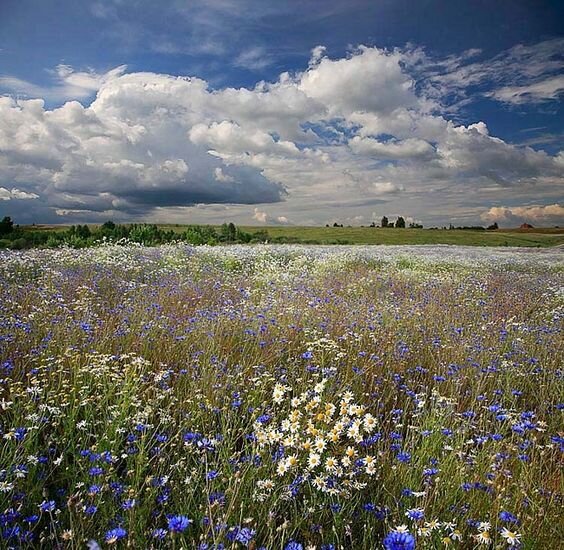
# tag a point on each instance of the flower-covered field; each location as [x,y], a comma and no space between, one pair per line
[281,398]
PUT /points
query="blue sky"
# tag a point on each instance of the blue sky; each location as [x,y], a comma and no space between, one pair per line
[295,112]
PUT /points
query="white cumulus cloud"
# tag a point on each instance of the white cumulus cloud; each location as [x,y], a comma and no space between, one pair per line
[550,213]
[329,142]
[15,194]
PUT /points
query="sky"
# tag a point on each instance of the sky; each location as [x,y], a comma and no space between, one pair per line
[291,112]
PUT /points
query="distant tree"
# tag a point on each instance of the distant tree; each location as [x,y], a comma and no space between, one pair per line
[400,222]
[372,224]
[83,231]
[6,225]
[336,225]
[228,232]
[232,231]
[384,222]
[108,226]
[493,226]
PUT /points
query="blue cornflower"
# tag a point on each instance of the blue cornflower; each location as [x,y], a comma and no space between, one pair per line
[163,496]
[399,541]
[94,489]
[90,509]
[128,504]
[107,457]
[20,433]
[508,516]
[159,534]
[113,535]
[415,514]
[47,506]
[371,440]
[190,437]
[212,474]
[263,418]
[117,487]
[205,444]
[11,532]
[218,497]
[245,535]
[96,471]
[403,457]
[293,545]
[178,524]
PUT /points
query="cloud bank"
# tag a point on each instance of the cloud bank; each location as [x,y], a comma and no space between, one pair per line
[332,140]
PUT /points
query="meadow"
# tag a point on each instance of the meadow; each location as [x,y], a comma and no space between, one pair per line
[281,397]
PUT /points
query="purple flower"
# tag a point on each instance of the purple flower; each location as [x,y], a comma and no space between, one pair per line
[178,524]
[128,504]
[159,534]
[415,514]
[20,433]
[47,506]
[263,418]
[245,535]
[113,535]
[508,517]
[399,541]
[403,457]
[293,545]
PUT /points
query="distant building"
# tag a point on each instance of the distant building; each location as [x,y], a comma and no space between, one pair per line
[526,226]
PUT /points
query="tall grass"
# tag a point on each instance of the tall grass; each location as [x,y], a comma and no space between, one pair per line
[182,398]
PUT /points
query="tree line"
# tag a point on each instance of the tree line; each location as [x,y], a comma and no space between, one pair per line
[81,236]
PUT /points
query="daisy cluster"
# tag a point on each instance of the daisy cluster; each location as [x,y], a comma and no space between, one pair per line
[321,440]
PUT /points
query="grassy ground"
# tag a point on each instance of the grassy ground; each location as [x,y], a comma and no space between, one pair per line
[368,235]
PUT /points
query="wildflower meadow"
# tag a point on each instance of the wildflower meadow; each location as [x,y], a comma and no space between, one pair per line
[281,397]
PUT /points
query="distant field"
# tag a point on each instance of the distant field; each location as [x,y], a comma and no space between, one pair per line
[541,237]
[370,235]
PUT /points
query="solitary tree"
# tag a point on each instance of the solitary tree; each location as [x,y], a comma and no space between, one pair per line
[400,222]
[384,222]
